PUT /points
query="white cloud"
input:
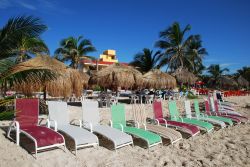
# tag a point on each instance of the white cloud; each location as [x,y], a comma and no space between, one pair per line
[227,64]
[5,4]
[27,6]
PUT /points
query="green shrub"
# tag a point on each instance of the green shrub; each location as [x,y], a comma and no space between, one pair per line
[8,115]
[191,96]
[97,88]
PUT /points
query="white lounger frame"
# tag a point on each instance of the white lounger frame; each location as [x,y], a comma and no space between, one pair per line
[115,145]
[76,145]
[14,125]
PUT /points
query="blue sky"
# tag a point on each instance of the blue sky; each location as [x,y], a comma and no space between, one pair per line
[128,26]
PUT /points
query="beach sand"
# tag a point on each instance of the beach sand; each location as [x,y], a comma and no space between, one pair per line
[227,147]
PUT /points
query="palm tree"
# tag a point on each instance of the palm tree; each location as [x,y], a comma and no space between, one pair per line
[30,46]
[173,42]
[146,60]
[195,54]
[73,49]
[12,37]
[244,72]
[216,72]
[12,33]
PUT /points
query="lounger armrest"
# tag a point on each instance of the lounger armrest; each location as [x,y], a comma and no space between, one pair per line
[119,125]
[90,125]
[49,123]
[145,127]
[181,118]
[203,115]
[165,121]
[137,124]
[14,124]
[224,112]
[111,123]
[79,121]
[157,121]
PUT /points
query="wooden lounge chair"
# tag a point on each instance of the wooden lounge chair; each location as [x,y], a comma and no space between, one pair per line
[26,122]
[59,120]
[140,119]
[175,116]
[119,122]
[184,127]
[91,118]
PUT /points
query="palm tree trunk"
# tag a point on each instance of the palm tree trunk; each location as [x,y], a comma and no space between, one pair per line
[44,93]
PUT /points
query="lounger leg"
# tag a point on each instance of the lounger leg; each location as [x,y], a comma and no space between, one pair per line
[64,147]
[17,137]
[76,150]
[35,152]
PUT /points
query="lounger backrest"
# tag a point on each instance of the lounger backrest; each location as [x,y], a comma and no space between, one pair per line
[174,114]
[196,108]
[157,108]
[188,109]
[27,111]
[216,106]
[90,112]
[211,101]
[118,115]
[58,111]
[139,113]
[207,107]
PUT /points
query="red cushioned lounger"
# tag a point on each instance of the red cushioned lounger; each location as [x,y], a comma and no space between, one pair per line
[26,122]
[184,127]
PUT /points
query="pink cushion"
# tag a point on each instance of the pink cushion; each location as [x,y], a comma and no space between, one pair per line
[43,135]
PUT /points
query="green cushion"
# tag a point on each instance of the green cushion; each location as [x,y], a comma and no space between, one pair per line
[143,134]
[203,124]
[223,119]
[118,117]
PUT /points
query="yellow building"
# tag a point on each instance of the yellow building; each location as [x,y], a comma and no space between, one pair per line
[108,57]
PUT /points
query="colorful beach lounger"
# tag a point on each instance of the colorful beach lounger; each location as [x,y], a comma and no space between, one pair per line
[59,120]
[91,119]
[175,116]
[184,127]
[140,119]
[119,122]
[26,122]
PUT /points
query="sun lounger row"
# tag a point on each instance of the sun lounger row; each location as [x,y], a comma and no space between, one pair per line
[119,132]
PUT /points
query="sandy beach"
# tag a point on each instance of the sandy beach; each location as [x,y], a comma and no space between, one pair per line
[227,147]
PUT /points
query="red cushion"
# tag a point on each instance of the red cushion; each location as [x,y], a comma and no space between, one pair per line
[43,135]
[192,128]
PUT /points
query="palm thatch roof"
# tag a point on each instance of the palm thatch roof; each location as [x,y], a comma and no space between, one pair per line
[65,85]
[158,80]
[39,62]
[242,81]
[117,75]
[184,76]
[226,81]
[50,73]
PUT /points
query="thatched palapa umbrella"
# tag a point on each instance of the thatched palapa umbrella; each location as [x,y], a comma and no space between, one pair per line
[67,84]
[225,81]
[242,81]
[117,75]
[59,81]
[39,62]
[158,80]
[184,76]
